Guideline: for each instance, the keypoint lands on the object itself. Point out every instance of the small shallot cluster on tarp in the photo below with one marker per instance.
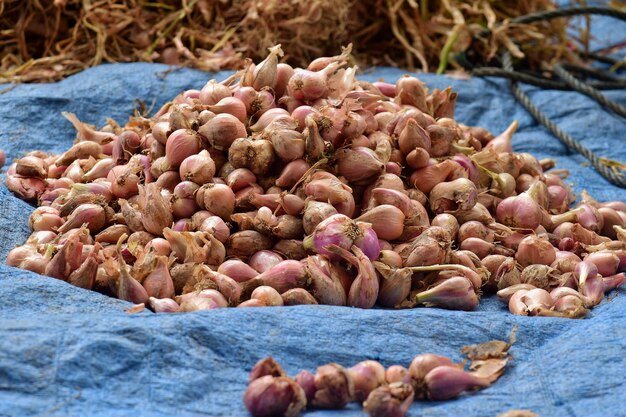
(383, 392)
(282, 186)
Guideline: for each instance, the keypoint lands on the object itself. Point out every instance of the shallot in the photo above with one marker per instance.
(298, 186)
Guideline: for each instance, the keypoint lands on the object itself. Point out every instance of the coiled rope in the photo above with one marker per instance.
(567, 81)
(599, 163)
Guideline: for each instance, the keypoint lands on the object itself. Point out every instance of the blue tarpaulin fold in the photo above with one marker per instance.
(65, 351)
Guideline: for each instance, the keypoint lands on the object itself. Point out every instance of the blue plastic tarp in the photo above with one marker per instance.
(65, 351)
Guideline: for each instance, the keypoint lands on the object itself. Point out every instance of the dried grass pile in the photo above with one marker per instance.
(47, 40)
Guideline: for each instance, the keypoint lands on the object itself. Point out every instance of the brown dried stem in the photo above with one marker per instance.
(47, 41)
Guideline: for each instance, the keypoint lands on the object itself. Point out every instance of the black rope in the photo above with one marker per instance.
(602, 58)
(563, 12)
(567, 82)
(603, 169)
(608, 81)
(588, 90)
(542, 81)
(597, 73)
(568, 12)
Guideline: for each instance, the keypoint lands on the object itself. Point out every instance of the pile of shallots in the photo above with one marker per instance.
(282, 186)
(383, 392)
